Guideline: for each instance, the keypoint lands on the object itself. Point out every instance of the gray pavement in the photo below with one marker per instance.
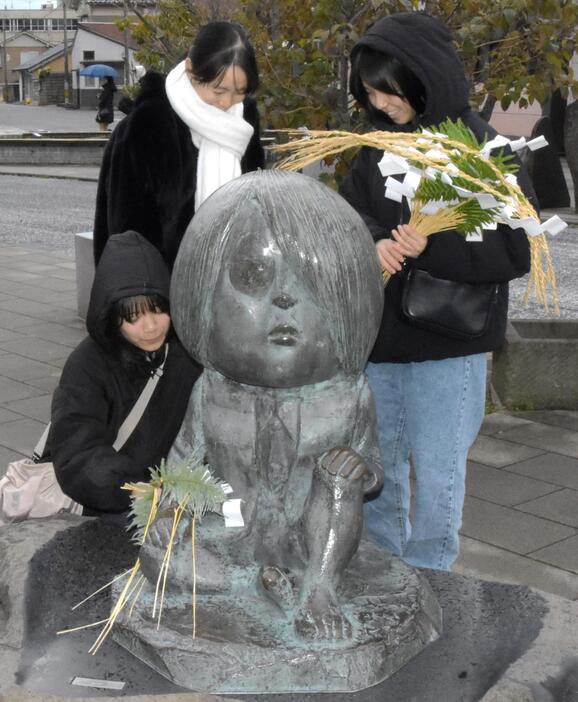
(520, 519)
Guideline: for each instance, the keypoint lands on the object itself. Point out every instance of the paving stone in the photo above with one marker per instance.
(501, 487)
(563, 554)
(47, 384)
(6, 456)
(21, 435)
(18, 276)
(498, 453)
(33, 407)
(498, 422)
(32, 266)
(32, 292)
(60, 333)
(8, 334)
(9, 320)
(7, 415)
(57, 284)
(481, 560)
(550, 467)
(30, 308)
(567, 419)
(19, 367)
(560, 506)
(38, 350)
(546, 437)
(15, 390)
(508, 528)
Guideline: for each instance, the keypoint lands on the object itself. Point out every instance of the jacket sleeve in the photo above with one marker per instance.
(355, 189)
(125, 198)
(87, 467)
(254, 156)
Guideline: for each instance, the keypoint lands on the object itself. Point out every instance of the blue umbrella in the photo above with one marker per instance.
(99, 70)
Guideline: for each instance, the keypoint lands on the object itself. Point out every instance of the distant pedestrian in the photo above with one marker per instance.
(105, 113)
(186, 135)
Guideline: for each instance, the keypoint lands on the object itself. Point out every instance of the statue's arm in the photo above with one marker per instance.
(365, 441)
(190, 438)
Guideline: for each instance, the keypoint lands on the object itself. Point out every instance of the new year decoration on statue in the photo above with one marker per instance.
(185, 489)
(451, 181)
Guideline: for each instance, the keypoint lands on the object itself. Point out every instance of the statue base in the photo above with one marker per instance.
(246, 644)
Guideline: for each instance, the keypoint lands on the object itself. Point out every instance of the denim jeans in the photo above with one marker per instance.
(433, 410)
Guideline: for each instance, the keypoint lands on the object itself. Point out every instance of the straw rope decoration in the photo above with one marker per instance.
(184, 489)
(451, 181)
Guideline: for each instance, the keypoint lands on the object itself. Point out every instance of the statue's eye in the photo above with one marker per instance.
(252, 275)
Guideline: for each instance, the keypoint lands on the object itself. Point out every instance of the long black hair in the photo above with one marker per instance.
(387, 74)
(218, 46)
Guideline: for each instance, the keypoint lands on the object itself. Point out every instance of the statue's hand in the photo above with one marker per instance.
(345, 463)
(160, 531)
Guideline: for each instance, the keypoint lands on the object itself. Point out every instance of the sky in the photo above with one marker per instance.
(22, 4)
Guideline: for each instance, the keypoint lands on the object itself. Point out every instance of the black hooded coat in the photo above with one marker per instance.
(148, 175)
(425, 46)
(102, 380)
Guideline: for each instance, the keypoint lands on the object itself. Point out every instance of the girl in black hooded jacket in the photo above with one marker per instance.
(129, 338)
(429, 388)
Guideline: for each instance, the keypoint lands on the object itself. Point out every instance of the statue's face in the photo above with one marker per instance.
(266, 327)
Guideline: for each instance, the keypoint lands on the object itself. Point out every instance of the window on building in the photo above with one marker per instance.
(71, 24)
(88, 55)
(90, 82)
(38, 25)
(23, 24)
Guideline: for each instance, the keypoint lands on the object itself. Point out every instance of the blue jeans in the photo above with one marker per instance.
(433, 410)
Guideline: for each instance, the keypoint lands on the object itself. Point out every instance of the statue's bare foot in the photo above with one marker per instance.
(320, 617)
(278, 586)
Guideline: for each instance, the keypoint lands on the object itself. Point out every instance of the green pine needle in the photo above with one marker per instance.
(189, 483)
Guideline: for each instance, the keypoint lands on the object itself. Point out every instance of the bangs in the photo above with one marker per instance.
(386, 74)
(128, 309)
(379, 73)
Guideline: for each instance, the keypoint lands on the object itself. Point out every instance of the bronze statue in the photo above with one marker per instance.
(278, 293)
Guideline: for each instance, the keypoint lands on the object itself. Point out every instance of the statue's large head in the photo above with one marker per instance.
(277, 283)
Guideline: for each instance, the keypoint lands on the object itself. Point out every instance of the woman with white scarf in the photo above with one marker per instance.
(186, 136)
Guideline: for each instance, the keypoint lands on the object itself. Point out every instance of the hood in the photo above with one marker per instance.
(130, 265)
(425, 45)
(152, 86)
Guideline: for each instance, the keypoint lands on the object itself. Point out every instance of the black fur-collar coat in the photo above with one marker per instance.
(149, 170)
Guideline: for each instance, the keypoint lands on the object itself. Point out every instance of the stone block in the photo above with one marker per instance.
(84, 270)
(536, 367)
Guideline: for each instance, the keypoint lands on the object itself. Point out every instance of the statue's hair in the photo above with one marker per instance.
(323, 240)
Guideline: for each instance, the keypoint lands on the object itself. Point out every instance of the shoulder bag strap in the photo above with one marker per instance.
(131, 421)
(134, 416)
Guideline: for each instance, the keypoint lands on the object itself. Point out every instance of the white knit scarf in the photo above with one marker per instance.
(221, 137)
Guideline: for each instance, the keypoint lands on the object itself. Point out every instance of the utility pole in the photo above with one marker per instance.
(5, 55)
(66, 74)
(126, 62)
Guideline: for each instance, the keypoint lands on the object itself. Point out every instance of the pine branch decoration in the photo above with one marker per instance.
(459, 184)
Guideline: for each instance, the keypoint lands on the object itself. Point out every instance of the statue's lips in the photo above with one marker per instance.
(283, 335)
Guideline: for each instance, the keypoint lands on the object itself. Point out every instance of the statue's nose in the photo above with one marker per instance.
(284, 301)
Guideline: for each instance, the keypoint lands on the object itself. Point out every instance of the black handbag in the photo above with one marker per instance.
(457, 310)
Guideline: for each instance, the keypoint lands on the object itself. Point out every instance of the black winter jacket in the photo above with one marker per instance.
(101, 382)
(148, 175)
(425, 46)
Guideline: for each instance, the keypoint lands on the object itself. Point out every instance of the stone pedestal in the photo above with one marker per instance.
(536, 367)
(500, 643)
(246, 644)
(84, 271)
